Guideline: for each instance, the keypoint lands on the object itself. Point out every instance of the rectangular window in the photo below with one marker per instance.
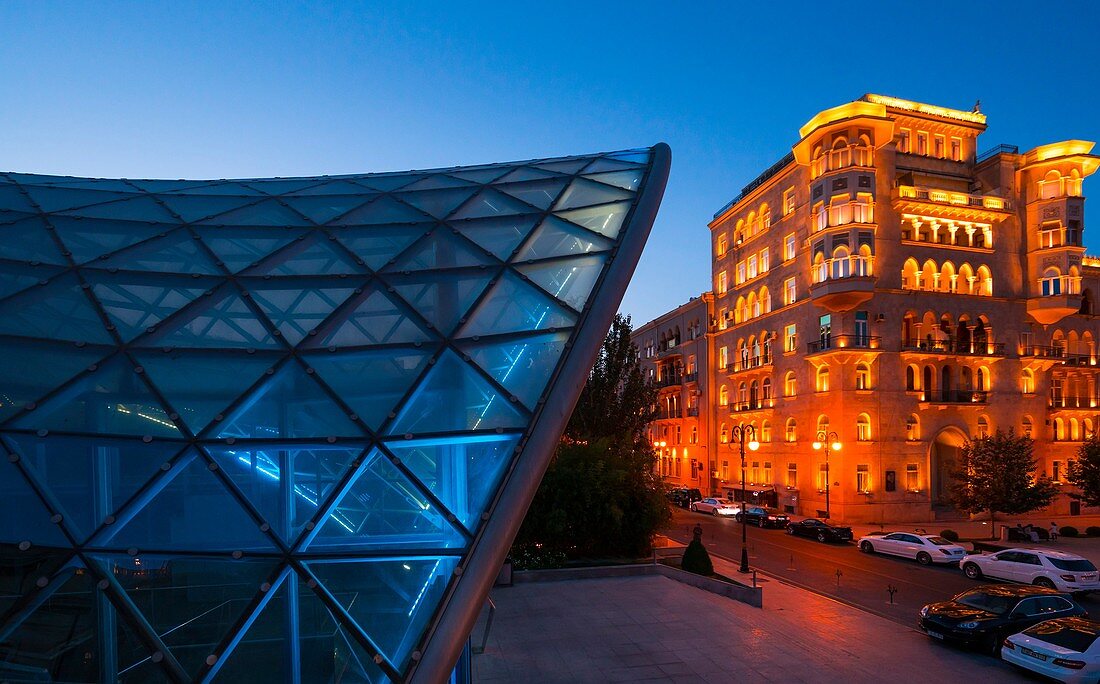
(723, 284)
(790, 249)
(767, 473)
(912, 477)
(754, 472)
(740, 272)
(725, 470)
(1056, 471)
(939, 147)
(721, 245)
(922, 143)
(903, 142)
(789, 338)
(723, 358)
(764, 260)
(863, 479)
(723, 318)
(677, 434)
(752, 267)
(863, 430)
(792, 475)
(821, 217)
(825, 331)
(956, 149)
(863, 337)
(789, 291)
(788, 201)
(822, 476)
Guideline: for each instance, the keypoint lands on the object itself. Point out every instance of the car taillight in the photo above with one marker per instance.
(1009, 645)
(1068, 578)
(1071, 664)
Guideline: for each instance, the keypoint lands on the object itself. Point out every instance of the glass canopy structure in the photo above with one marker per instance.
(286, 429)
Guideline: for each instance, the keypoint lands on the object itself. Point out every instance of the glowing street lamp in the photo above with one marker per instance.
(742, 433)
(829, 441)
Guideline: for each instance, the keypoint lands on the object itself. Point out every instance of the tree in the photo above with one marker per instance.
(1085, 472)
(997, 473)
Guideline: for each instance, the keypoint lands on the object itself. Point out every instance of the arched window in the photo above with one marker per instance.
(765, 299)
(911, 382)
(724, 434)
(1086, 428)
(929, 275)
(910, 278)
(765, 432)
(982, 380)
(765, 216)
(1073, 183)
(983, 427)
(965, 281)
(1059, 430)
(754, 305)
(738, 311)
(1052, 282)
(754, 394)
(823, 379)
(1051, 185)
(947, 277)
(694, 434)
(789, 384)
(912, 428)
(766, 391)
(1027, 381)
(723, 396)
(1074, 430)
(985, 282)
(823, 423)
(863, 428)
(817, 166)
(863, 376)
(790, 432)
(742, 395)
(1027, 425)
(842, 266)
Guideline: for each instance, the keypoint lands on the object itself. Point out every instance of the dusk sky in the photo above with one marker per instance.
(217, 89)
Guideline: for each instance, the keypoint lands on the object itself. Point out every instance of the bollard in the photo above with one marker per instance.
(892, 590)
(753, 579)
(838, 574)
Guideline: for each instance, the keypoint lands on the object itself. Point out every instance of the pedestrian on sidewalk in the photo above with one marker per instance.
(1053, 531)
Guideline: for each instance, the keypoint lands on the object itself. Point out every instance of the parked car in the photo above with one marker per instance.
(984, 616)
(1065, 649)
(762, 517)
(684, 497)
(926, 549)
(1043, 567)
(715, 507)
(819, 530)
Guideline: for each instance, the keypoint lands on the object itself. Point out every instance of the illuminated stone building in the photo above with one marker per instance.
(886, 282)
(674, 353)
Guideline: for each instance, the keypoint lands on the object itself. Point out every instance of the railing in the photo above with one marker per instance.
(948, 197)
(951, 346)
(1060, 285)
(757, 182)
(669, 414)
(843, 158)
(1065, 401)
(1043, 351)
(691, 377)
(673, 349)
(956, 396)
(833, 342)
(1078, 360)
(854, 266)
(739, 406)
(994, 151)
(693, 411)
(750, 362)
(669, 381)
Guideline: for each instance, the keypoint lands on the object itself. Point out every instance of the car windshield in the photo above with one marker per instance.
(1076, 635)
(991, 603)
(938, 541)
(1080, 565)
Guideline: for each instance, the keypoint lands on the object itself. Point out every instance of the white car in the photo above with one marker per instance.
(716, 507)
(1066, 649)
(926, 549)
(1043, 567)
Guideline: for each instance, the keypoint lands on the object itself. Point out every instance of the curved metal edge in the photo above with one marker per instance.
(447, 640)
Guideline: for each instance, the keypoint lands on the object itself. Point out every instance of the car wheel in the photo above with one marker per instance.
(760, 523)
(1044, 582)
(821, 536)
(693, 508)
(790, 531)
(993, 645)
(866, 547)
(972, 571)
(737, 517)
(714, 512)
(924, 559)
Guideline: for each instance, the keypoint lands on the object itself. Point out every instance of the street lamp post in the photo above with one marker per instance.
(829, 441)
(741, 433)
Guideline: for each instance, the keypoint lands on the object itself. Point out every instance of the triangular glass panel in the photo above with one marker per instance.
(176, 252)
(500, 235)
(143, 208)
(53, 198)
(436, 182)
(239, 247)
(136, 664)
(181, 186)
(323, 208)
(525, 173)
(452, 398)
(378, 245)
(567, 166)
(480, 175)
(263, 653)
(584, 193)
(608, 165)
(190, 623)
(391, 599)
(540, 194)
(31, 371)
(28, 240)
(437, 203)
(491, 202)
(14, 200)
(195, 381)
(16, 277)
(266, 213)
(310, 256)
(462, 471)
(382, 510)
(373, 319)
(514, 306)
(112, 399)
(336, 187)
(328, 651)
(207, 188)
(23, 571)
(384, 210)
(23, 516)
(90, 239)
(605, 219)
(290, 405)
(441, 249)
(522, 365)
(287, 484)
(187, 509)
(220, 320)
(386, 182)
(627, 180)
(89, 478)
(632, 156)
(298, 306)
(57, 310)
(281, 186)
(195, 207)
(136, 302)
(372, 383)
(443, 298)
(570, 280)
(555, 237)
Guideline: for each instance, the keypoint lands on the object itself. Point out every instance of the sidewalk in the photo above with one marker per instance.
(632, 629)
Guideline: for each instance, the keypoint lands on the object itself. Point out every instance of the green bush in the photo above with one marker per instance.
(1092, 531)
(696, 559)
(1069, 531)
(950, 535)
(536, 557)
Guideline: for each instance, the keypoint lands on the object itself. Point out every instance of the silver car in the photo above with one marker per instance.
(716, 507)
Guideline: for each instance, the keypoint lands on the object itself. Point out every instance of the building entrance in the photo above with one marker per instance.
(943, 460)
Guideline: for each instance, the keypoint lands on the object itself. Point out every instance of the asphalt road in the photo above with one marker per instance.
(839, 571)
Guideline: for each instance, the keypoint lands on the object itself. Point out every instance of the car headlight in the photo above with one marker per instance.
(972, 624)
(924, 611)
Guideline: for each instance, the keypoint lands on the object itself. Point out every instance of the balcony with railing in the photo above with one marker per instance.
(670, 350)
(842, 283)
(693, 411)
(746, 362)
(669, 380)
(952, 346)
(666, 413)
(1058, 296)
(952, 199)
(859, 156)
(955, 396)
(832, 343)
(843, 214)
(751, 405)
(1060, 401)
(691, 377)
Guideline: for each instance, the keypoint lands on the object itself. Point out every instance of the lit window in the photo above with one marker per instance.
(863, 428)
(788, 201)
(721, 245)
(723, 358)
(789, 247)
(939, 147)
(740, 272)
(789, 291)
(789, 384)
(983, 427)
(1028, 427)
(863, 479)
(723, 283)
(791, 432)
(922, 143)
(903, 142)
(912, 428)
(724, 434)
(912, 477)
(766, 432)
(752, 266)
(789, 338)
(823, 379)
(723, 318)
(792, 475)
(956, 149)
(767, 479)
(863, 377)
(823, 477)
(764, 260)
(725, 470)
(1056, 471)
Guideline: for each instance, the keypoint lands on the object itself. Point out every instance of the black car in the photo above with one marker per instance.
(684, 497)
(819, 530)
(762, 517)
(983, 617)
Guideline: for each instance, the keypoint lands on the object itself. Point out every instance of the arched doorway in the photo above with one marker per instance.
(944, 456)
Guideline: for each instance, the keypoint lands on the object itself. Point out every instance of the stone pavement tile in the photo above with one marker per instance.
(635, 674)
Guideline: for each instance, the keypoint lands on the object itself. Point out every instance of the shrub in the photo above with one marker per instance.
(696, 559)
(1069, 531)
(950, 535)
(1092, 531)
(536, 557)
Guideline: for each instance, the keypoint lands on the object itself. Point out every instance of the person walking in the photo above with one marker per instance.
(1053, 531)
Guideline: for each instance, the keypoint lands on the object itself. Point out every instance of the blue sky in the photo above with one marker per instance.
(224, 89)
